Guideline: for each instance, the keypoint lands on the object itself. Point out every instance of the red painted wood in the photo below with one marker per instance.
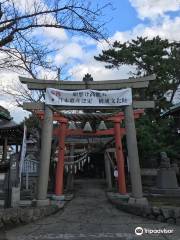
(79, 132)
(118, 132)
(120, 159)
(60, 164)
(118, 117)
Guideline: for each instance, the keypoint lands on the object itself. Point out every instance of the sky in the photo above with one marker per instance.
(126, 20)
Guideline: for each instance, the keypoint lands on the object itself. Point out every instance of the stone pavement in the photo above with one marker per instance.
(89, 216)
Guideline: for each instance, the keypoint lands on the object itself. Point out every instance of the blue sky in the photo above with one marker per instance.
(124, 16)
(129, 19)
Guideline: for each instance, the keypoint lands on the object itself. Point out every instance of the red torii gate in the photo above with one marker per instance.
(62, 132)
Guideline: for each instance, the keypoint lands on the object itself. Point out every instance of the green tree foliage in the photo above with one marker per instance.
(151, 56)
(155, 137)
(33, 123)
(155, 56)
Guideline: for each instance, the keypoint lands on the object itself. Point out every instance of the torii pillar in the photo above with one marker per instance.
(46, 141)
(59, 187)
(135, 174)
(120, 158)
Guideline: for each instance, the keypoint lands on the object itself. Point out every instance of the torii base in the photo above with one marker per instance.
(41, 203)
(139, 201)
(58, 197)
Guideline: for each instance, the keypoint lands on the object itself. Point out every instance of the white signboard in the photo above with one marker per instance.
(23, 152)
(89, 97)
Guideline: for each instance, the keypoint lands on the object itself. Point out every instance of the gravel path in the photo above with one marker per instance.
(90, 216)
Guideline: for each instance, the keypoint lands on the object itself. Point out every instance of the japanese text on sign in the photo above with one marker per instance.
(89, 97)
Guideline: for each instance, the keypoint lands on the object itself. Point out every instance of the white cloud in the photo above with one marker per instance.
(46, 74)
(167, 28)
(69, 51)
(83, 41)
(121, 36)
(29, 6)
(8, 82)
(17, 113)
(154, 8)
(10, 87)
(98, 71)
(32, 6)
(56, 34)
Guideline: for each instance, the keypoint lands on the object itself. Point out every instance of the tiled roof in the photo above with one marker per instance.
(172, 109)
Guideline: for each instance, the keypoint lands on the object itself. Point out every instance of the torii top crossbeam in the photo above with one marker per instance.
(37, 84)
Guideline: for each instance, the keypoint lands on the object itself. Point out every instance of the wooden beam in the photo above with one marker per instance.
(80, 150)
(80, 132)
(87, 139)
(114, 118)
(33, 106)
(38, 84)
(143, 104)
(30, 106)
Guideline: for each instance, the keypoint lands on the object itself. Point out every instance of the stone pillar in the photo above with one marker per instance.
(120, 158)
(15, 196)
(59, 188)
(108, 172)
(46, 141)
(70, 176)
(135, 174)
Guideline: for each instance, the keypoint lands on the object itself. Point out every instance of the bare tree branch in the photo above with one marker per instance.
(23, 51)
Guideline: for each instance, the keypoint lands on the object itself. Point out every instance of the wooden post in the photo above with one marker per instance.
(120, 158)
(60, 164)
(108, 171)
(70, 175)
